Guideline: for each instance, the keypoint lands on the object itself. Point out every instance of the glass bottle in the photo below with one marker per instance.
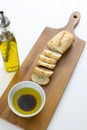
(8, 45)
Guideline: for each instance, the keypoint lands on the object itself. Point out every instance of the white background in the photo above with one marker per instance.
(28, 19)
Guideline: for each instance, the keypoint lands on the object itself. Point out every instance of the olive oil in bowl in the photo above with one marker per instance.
(27, 100)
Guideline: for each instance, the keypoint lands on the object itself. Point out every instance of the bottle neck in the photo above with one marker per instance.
(5, 29)
(5, 33)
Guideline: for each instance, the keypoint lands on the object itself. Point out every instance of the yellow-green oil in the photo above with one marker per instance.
(10, 54)
(25, 91)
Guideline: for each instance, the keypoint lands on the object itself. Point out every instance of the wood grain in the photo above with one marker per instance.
(55, 89)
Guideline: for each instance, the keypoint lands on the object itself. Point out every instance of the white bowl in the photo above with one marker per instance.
(20, 104)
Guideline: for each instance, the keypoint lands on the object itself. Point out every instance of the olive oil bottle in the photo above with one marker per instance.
(8, 45)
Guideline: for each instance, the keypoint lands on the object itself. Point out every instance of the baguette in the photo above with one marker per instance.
(61, 42)
(39, 79)
(49, 57)
(43, 71)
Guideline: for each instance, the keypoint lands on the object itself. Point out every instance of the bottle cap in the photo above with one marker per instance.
(4, 21)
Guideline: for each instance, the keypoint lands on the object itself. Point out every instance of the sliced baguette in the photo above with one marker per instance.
(52, 54)
(43, 71)
(39, 79)
(61, 42)
(47, 59)
(44, 64)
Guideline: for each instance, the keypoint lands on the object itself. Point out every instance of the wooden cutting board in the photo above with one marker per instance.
(55, 89)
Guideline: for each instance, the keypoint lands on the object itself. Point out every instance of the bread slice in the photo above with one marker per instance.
(61, 42)
(43, 71)
(47, 59)
(39, 79)
(52, 54)
(44, 64)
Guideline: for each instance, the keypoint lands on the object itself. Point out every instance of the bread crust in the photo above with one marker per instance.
(43, 71)
(47, 59)
(52, 54)
(44, 64)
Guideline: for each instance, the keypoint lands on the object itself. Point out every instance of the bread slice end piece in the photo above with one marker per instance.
(41, 80)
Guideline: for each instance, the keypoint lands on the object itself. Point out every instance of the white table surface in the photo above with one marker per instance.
(28, 19)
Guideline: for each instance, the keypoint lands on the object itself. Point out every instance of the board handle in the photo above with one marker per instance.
(73, 20)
